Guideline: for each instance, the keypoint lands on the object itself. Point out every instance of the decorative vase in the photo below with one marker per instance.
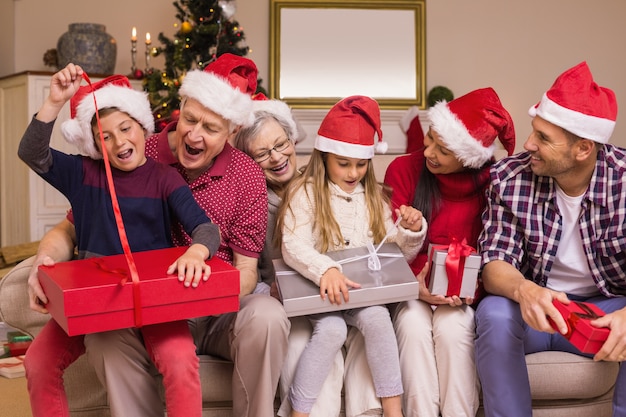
(88, 45)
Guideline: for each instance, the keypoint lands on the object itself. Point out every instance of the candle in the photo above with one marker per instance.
(148, 42)
(133, 36)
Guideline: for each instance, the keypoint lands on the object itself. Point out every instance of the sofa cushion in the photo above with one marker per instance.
(558, 375)
(14, 304)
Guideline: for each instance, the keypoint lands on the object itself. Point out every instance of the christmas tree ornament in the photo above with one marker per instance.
(185, 27)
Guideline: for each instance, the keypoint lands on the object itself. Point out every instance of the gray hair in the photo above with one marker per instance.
(246, 135)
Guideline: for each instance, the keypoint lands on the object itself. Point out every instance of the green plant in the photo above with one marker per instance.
(437, 94)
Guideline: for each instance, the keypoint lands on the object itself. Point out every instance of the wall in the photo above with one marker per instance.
(517, 47)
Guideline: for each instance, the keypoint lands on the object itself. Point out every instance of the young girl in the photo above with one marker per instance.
(150, 195)
(337, 204)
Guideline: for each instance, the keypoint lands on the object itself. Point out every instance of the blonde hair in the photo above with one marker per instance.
(324, 221)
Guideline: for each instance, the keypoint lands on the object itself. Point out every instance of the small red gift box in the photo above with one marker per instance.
(89, 296)
(580, 332)
(453, 270)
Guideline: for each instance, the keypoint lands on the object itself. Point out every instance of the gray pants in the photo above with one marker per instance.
(329, 334)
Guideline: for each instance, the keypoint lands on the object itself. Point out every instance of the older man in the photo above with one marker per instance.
(231, 187)
(554, 230)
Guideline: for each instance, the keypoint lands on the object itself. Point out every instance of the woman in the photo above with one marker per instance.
(446, 181)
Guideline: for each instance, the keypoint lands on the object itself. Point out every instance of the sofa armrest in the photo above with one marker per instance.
(14, 305)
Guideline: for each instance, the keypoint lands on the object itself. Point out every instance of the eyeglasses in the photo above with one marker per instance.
(265, 155)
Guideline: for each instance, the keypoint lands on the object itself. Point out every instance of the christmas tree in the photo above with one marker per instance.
(206, 30)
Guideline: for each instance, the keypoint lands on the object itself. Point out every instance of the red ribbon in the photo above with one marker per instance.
(118, 219)
(574, 317)
(455, 265)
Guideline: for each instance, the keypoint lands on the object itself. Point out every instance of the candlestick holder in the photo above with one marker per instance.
(147, 57)
(133, 56)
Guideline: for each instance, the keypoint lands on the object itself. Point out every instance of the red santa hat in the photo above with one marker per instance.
(349, 128)
(114, 91)
(579, 105)
(412, 127)
(225, 86)
(470, 124)
(280, 111)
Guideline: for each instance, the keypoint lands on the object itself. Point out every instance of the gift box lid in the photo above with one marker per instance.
(394, 282)
(93, 285)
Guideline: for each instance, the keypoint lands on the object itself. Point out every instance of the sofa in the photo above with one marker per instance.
(562, 384)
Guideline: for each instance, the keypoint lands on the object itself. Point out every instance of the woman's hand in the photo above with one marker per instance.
(426, 296)
(335, 284)
(411, 218)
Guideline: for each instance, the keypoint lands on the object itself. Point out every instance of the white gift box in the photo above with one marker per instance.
(438, 282)
(394, 282)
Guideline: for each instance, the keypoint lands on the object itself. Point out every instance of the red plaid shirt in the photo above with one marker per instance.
(522, 224)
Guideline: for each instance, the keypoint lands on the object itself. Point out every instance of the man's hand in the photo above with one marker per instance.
(614, 349)
(536, 306)
(36, 297)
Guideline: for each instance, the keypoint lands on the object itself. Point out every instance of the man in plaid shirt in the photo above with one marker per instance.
(554, 228)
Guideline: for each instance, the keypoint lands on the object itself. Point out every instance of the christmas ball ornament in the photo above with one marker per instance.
(138, 74)
(160, 125)
(175, 114)
(185, 27)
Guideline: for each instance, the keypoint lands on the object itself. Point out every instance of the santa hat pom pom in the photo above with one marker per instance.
(382, 147)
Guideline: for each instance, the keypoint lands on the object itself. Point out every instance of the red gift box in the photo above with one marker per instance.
(580, 332)
(96, 294)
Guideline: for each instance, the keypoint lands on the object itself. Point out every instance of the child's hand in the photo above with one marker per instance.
(336, 284)
(411, 218)
(191, 266)
(63, 85)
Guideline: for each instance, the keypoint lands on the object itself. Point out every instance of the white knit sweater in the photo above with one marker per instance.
(300, 250)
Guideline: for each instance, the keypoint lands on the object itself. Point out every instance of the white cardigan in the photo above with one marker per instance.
(299, 247)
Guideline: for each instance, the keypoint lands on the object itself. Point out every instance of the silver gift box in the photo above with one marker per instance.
(394, 282)
(438, 283)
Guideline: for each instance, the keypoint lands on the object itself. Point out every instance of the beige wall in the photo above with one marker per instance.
(517, 47)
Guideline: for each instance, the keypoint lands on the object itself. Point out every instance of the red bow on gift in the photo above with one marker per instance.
(574, 317)
(455, 265)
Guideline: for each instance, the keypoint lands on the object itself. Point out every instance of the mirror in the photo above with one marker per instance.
(322, 51)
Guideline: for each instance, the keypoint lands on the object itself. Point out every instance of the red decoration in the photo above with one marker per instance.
(138, 74)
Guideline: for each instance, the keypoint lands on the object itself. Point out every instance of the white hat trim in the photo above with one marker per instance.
(407, 118)
(282, 111)
(218, 95)
(77, 131)
(586, 126)
(471, 152)
(348, 150)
